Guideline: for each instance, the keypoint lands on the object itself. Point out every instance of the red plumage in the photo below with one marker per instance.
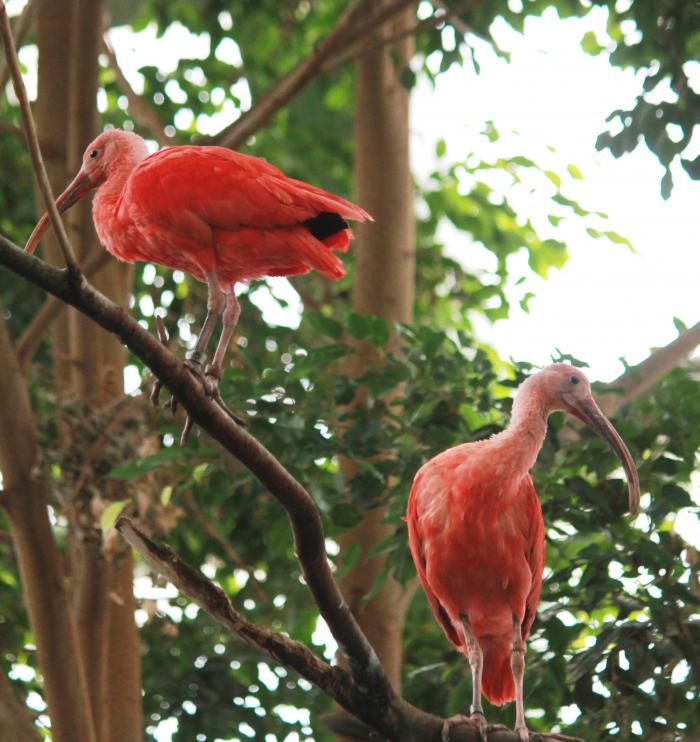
(476, 535)
(216, 214)
(478, 555)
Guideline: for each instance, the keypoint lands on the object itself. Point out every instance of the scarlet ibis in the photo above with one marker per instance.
(476, 535)
(221, 216)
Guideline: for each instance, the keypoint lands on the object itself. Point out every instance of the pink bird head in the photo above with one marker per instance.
(563, 387)
(111, 151)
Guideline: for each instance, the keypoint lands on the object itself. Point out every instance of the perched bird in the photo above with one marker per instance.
(476, 535)
(221, 216)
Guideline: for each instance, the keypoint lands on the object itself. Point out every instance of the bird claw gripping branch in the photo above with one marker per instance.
(194, 363)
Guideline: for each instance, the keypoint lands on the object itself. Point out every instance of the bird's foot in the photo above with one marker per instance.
(208, 377)
(523, 733)
(212, 376)
(162, 334)
(476, 719)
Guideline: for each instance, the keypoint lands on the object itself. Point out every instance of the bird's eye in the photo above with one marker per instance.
(574, 379)
(94, 153)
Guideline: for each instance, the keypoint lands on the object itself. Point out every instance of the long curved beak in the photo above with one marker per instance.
(588, 412)
(80, 186)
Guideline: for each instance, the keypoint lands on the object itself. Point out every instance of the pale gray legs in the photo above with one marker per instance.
(476, 663)
(216, 302)
(219, 304)
(517, 664)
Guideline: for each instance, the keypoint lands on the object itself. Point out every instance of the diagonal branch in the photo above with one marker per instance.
(365, 691)
(350, 27)
(638, 379)
(305, 519)
(335, 681)
(33, 141)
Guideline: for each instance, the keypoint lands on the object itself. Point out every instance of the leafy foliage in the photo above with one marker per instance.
(617, 635)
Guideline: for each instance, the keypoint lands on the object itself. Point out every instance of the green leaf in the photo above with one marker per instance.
(111, 513)
(407, 78)
(368, 327)
(574, 171)
(165, 494)
(324, 325)
(590, 44)
(141, 466)
(556, 179)
(345, 515)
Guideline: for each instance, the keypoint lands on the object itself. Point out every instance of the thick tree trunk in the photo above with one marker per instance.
(43, 582)
(89, 363)
(384, 286)
(16, 721)
(51, 111)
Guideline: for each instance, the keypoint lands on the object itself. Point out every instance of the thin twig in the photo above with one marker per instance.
(212, 599)
(33, 142)
(22, 25)
(356, 52)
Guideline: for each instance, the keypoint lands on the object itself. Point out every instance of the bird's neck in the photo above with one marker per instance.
(527, 429)
(110, 191)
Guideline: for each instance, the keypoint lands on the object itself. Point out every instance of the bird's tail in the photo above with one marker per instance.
(498, 684)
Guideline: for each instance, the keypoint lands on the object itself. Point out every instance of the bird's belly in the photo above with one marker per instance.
(479, 569)
(152, 243)
(247, 253)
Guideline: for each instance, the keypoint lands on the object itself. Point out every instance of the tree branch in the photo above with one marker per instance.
(306, 522)
(290, 84)
(365, 691)
(355, 52)
(15, 718)
(335, 681)
(20, 31)
(638, 379)
(33, 141)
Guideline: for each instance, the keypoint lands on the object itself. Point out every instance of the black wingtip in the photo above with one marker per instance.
(325, 225)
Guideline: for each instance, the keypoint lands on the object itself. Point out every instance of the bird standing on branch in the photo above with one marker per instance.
(476, 534)
(221, 216)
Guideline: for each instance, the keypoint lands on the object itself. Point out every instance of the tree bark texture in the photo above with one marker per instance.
(384, 286)
(43, 581)
(88, 363)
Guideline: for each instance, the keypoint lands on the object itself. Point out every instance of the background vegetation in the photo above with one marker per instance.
(352, 401)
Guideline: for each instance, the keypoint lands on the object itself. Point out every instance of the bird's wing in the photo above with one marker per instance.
(227, 190)
(536, 553)
(415, 541)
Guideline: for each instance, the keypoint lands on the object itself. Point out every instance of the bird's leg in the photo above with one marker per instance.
(229, 318)
(216, 301)
(517, 664)
(476, 716)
